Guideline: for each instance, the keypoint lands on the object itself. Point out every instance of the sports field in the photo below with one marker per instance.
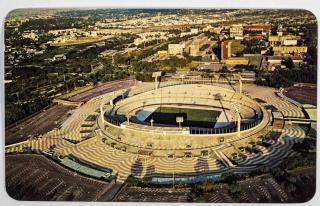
(192, 117)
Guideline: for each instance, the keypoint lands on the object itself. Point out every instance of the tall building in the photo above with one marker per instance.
(194, 47)
(236, 30)
(225, 49)
(191, 47)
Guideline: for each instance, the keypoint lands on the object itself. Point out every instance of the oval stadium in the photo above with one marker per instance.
(149, 122)
(186, 130)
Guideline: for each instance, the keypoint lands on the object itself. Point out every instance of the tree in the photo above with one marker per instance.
(277, 172)
(288, 63)
(229, 177)
(234, 189)
(290, 187)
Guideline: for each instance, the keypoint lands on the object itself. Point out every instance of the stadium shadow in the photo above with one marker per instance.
(231, 85)
(150, 170)
(137, 168)
(201, 165)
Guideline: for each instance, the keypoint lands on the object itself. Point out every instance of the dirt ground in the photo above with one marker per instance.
(40, 123)
(34, 177)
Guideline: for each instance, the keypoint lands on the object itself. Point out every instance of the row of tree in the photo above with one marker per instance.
(287, 77)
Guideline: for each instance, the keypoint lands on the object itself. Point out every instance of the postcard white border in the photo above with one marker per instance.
(9, 5)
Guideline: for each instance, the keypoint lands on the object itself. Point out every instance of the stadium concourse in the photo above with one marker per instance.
(117, 141)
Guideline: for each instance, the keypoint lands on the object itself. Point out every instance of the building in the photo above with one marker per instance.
(108, 53)
(228, 48)
(278, 59)
(258, 27)
(59, 57)
(162, 53)
(311, 111)
(100, 44)
(150, 36)
(130, 50)
(216, 30)
(225, 49)
(280, 40)
(30, 35)
(290, 49)
(207, 28)
(273, 61)
(213, 67)
(65, 32)
(194, 31)
(236, 30)
(175, 49)
(240, 38)
(257, 37)
(290, 42)
(193, 48)
(236, 60)
(278, 120)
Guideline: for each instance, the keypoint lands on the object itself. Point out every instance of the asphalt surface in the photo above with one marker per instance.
(101, 89)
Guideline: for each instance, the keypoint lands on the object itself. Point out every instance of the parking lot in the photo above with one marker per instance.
(40, 123)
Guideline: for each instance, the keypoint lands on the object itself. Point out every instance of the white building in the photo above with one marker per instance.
(59, 57)
(30, 35)
(290, 42)
(194, 31)
(175, 49)
(236, 30)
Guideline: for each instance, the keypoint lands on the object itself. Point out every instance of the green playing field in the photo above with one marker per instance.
(192, 117)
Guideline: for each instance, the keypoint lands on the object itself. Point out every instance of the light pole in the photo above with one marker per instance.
(236, 109)
(173, 164)
(240, 82)
(239, 124)
(155, 75)
(179, 120)
(17, 93)
(64, 79)
(103, 101)
(128, 119)
(173, 171)
(101, 114)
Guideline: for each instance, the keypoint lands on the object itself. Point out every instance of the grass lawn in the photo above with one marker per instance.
(192, 117)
